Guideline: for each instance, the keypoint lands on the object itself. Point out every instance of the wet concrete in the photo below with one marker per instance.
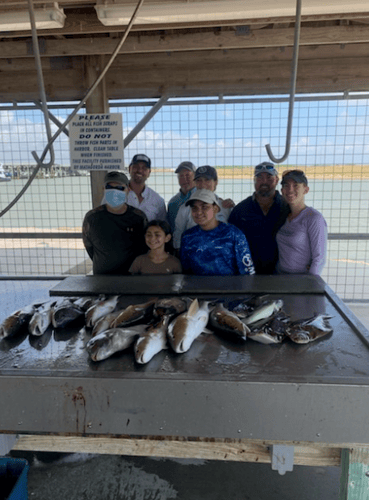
(109, 477)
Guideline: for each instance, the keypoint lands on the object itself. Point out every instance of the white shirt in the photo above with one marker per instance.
(185, 221)
(153, 205)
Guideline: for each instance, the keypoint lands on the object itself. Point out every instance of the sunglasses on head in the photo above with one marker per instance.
(268, 166)
(120, 188)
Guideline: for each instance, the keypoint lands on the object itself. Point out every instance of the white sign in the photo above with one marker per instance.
(96, 142)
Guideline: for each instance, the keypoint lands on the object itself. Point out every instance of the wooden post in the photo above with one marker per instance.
(97, 103)
(355, 474)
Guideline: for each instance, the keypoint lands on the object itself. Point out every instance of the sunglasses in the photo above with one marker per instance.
(120, 188)
(268, 166)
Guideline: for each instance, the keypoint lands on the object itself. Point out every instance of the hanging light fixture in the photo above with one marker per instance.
(47, 17)
(162, 12)
(111, 14)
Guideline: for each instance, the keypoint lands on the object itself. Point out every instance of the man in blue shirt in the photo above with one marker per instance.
(260, 216)
(186, 175)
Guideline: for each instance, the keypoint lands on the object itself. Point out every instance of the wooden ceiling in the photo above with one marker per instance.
(250, 56)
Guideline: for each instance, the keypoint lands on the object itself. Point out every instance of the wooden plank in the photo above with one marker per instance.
(236, 72)
(190, 41)
(85, 21)
(215, 449)
(355, 474)
(97, 103)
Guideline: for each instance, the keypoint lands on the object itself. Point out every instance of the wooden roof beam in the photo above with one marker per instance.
(189, 42)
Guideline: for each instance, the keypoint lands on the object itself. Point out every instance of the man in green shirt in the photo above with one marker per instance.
(113, 233)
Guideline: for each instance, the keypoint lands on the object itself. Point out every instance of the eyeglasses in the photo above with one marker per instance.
(120, 188)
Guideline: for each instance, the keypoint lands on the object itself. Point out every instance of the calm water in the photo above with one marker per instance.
(61, 203)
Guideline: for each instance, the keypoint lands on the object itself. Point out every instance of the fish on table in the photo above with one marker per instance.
(186, 327)
(17, 321)
(85, 302)
(107, 343)
(245, 307)
(227, 322)
(65, 312)
(41, 319)
(152, 341)
(133, 314)
(307, 330)
(99, 309)
(264, 311)
(171, 306)
(270, 330)
(104, 323)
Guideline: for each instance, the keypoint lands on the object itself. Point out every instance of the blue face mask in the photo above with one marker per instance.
(114, 197)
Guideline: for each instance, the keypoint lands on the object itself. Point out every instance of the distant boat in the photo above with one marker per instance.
(4, 176)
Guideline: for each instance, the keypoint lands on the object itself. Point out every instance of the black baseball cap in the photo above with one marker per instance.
(206, 171)
(116, 176)
(141, 157)
(296, 175)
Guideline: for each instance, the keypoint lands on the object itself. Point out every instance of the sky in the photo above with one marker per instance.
(329, 132)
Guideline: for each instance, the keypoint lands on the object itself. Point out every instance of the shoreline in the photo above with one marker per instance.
(337, 172)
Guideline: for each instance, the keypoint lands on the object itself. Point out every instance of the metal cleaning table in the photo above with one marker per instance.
(220, 400)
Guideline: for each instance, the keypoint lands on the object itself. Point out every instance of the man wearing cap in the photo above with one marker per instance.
(140, 195)
(185, 174)
(212, 247)
(260, 216)
(206, 177)
(113, 233)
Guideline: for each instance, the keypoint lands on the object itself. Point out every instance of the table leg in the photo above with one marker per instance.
(355, 474)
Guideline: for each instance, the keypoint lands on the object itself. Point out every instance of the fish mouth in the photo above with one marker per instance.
(141, 360)
(182, 347)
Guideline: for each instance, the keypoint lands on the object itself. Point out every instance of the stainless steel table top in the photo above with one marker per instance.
(219, 388)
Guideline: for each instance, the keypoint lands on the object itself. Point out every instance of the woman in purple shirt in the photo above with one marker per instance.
(302, 240)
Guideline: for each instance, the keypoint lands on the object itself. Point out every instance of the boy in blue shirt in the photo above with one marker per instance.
(213, 247)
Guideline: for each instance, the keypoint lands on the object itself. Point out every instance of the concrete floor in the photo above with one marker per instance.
(54, 476)
(110, 477)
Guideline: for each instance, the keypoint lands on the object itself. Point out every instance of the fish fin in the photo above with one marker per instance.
(207, 330)
(194, 307)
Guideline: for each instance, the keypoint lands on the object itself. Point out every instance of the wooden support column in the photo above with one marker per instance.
(355, 474)
(97, 103)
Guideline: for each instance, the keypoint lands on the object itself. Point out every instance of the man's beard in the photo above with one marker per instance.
(265, 193)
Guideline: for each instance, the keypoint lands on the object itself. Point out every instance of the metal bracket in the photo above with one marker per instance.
(243, 31)
(282, 458)
(7, 442)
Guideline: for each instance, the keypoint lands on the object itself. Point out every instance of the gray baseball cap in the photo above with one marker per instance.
(204, 195)
(185, 165)
(267, 167)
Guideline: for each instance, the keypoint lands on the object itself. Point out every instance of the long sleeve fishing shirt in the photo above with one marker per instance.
(302, 243)
(221, 251)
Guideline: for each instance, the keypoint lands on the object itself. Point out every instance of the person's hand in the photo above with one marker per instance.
(228, 203)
